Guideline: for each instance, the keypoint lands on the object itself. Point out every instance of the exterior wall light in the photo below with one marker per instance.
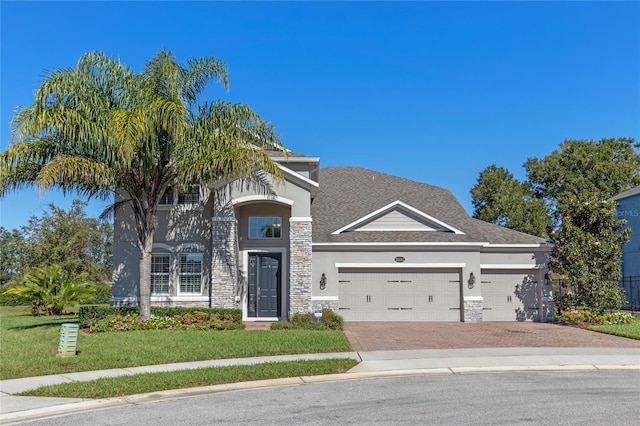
(472, 280)
(323, 281)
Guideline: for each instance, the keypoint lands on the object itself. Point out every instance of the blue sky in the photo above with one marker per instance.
(430, 91)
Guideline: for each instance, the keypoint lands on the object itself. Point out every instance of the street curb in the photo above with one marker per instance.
(98, 404)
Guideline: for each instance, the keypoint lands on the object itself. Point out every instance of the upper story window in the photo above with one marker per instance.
(265, 227)
(171, 197)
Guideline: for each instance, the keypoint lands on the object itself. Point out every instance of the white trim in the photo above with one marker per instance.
(180, 248)
(300, 219)
(182, 298)
(297, 159)
(298, 176)
(541, 245)
(162, 246)
(396, 230)
(473, 298)
(509, 266)
(374, 244)
(284, 277)
(434, 243)
(161, 298)
(252, 198)
(327, 298)
(178, 274)
(401, 265)
(261, 319)
(390, 206)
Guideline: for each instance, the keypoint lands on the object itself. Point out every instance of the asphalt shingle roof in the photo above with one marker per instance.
(346, 194)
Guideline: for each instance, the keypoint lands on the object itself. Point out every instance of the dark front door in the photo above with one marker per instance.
(264, 284)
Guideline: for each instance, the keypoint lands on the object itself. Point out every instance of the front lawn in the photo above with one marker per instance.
(28, 345)
(631, 330)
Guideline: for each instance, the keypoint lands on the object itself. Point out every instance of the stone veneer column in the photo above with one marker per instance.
(473, 308)
(224, 264)
(300, 265)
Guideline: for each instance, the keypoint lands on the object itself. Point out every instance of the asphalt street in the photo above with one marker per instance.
(595, 397)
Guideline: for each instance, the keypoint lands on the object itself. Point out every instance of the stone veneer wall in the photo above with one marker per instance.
(473, 309)
(224, 262)
(319, 305)
(300, 265)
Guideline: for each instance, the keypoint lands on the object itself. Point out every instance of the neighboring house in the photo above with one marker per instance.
(371, 246)
(629, 209)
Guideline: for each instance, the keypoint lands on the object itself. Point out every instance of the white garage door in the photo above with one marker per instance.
(509, 295)
(399, 294)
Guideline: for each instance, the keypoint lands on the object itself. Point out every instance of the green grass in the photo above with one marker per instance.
(28, 345)
(154, 382)
(631, 330)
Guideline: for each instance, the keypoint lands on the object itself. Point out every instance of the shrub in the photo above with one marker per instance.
(332, 320)
(574, 316)
(50, 289)
(8, 299)
(90, 315)
(196, 321)
(101, 296)
(307, 321)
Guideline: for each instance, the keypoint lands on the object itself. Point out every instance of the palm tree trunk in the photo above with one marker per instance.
(145, 277)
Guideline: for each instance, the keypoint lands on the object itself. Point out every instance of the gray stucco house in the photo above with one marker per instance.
(628, 208)
(371, 246)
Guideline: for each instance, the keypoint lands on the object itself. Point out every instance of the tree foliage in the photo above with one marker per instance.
(587, 250)
(610, 166)
(500, 198)
(101, 129)
(51, 289)
(68, 238)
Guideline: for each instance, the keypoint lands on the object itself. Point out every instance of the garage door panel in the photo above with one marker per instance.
(509, 295)
(403, 295)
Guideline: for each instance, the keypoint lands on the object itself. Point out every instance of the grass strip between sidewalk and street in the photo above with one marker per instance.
(155, 382)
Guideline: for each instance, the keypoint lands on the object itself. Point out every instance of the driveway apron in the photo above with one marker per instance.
(391, 336)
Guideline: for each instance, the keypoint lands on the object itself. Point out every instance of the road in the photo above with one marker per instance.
(609, 397)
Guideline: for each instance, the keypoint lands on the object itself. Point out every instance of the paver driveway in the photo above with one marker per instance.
(388, 336)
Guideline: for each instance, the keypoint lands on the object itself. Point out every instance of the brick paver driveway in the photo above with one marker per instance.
(387, 336)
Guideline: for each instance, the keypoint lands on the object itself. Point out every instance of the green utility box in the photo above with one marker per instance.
(68, 340)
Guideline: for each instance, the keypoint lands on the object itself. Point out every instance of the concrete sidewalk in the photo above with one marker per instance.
(373, 364)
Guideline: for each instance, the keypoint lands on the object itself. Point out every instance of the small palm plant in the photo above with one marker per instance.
(50, 289)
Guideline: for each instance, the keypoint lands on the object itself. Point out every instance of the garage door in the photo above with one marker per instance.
(509, 295)
(399, 295)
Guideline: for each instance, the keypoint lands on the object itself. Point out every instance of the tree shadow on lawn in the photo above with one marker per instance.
(53, 322)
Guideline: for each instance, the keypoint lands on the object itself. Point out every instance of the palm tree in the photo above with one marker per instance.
(103, 130)
(50, 289)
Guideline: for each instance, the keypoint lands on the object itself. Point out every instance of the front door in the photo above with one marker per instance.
(264, 284)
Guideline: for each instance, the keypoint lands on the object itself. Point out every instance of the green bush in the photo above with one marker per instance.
(102, 295)
(332, 320)
(90, 315)
(196, 321)
(307, 321)
(574, 316)
(7, 299)
(50, 289)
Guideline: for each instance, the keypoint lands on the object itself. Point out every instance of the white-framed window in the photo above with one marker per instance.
(160, 273)
(188, 197)
(261, 228)
(190, 273)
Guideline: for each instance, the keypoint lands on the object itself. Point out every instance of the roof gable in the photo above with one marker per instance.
(397, 216)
